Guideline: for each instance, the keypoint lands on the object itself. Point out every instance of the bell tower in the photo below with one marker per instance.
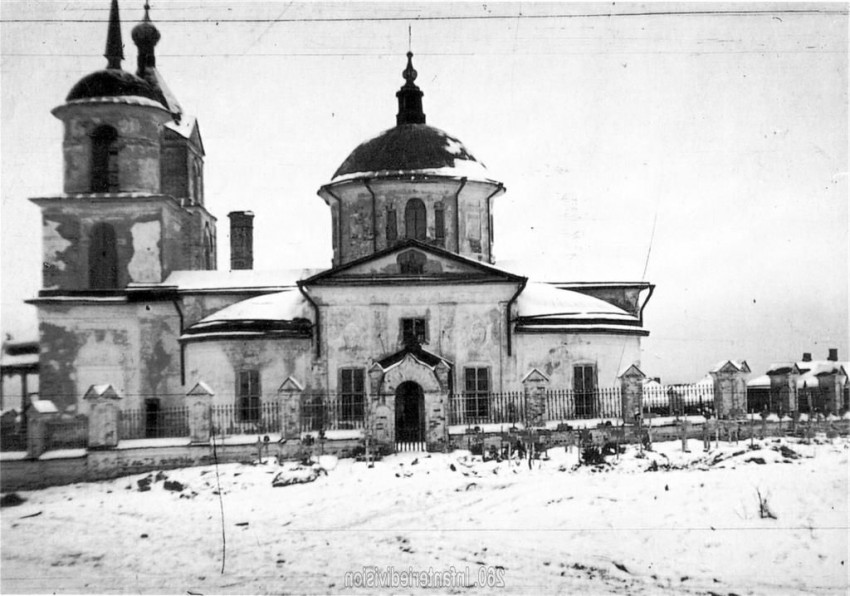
(132, 203)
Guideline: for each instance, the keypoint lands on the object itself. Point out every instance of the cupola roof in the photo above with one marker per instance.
(113, 82)
(412, 147)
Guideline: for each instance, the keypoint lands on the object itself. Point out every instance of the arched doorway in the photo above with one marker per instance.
(409, 413)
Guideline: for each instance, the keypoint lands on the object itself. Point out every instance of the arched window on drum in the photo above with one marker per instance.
(415, 221)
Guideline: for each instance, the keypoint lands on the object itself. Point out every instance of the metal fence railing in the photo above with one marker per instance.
(332, 411)
(153, 423)
(238, 420)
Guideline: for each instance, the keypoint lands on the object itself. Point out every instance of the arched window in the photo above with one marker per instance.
(103, 258)
(104, 159)
(414, 219)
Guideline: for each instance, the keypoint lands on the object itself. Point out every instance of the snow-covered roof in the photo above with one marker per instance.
(410, 149)
(543, 300)
(16, 355)
(238, 279)
(759, 382)
(740, 365)
(285, 314)
(185, 127)
(280, 306)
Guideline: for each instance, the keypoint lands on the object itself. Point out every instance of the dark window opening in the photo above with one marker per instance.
(476, 392)
(104, 160)
(392, 227)
(584, 388)
(198, 173)
(208, 249)
(439, 224)
(248, 395)
(411, 263)
(103, 258)
(414, 331)
(415, 222)
(352, 395)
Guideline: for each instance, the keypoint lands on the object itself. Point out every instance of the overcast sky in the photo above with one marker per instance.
(704, 151)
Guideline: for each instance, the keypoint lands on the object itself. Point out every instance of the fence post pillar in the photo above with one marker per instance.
(289, 397)
(199, 403)
(535, 385)
(631, 393)
(730, 388)
(103, 416)
(40, 412)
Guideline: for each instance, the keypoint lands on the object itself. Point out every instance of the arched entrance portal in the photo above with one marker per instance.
(409, 413)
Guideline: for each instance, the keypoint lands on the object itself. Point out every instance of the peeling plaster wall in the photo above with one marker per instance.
(138, 129)
(217, 362)
(145, 264)
(354, 220)
(554, 354)
(133, 347)
(154, 236)
(363, 323)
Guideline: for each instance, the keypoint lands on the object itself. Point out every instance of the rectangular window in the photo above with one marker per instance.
(476, 384)
(248, 395)
(352, 395)
(584, 389)
(392, 227)
(439, 225)
(414, 331)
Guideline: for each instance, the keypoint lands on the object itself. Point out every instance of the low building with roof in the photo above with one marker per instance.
(413, 310)
(804, 385)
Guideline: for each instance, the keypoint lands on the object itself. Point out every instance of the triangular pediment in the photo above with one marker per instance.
(632, 371)
(201, 388)
(412, 261)
(105, 391)
(534, 376)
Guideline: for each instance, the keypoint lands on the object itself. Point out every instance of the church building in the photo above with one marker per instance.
(412, 328)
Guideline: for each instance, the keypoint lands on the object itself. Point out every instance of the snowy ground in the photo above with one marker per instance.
(690, 527)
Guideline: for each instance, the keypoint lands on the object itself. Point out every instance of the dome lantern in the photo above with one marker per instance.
(409, 97)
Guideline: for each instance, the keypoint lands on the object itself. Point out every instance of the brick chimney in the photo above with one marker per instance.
(241, 239)
(833, 355)
(807, 356)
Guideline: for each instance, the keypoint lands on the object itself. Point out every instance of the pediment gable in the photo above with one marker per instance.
(412, 261)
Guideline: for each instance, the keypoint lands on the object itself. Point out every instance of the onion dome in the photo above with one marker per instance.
(146, 36)
(412, 146)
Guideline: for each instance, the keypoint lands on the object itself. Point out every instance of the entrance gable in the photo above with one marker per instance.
(412, 261)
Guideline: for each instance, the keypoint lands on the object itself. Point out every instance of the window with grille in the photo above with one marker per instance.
(439, 224)
(414, 331)
(104, 160)
(352, 395)
(584, 388)
(103, 258)
(476, 393)
(415, 222)
(392, 227)
(248, 395)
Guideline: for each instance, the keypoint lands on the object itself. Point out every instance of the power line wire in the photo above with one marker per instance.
(488, 17)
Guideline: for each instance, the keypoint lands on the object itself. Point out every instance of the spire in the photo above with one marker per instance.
(146, 36)
(409, 97)
(114, 47)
